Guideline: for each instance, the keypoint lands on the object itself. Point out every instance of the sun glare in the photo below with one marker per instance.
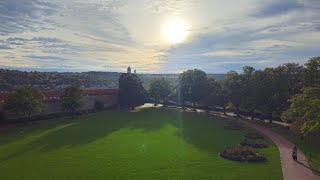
(176, 31)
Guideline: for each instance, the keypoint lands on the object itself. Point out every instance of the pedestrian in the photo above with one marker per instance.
(294, 152)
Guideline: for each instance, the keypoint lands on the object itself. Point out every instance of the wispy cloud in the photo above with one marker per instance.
(109, 35)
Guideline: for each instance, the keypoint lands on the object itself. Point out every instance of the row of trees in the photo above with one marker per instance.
(290, 91)
(28, 100)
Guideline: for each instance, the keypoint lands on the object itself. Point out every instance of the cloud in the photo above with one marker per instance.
(278, 8)
(45, 57)
(3, 46)
(18, 16)
(109, 35)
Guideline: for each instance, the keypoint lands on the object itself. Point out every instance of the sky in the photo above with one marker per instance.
(109, 35)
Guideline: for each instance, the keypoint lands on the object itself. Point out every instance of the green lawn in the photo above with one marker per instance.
(149, 144)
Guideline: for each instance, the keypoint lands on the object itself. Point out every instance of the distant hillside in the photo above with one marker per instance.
(11, 79)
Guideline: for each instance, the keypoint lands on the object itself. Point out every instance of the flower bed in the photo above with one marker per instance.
(243, 154)
(256, 143)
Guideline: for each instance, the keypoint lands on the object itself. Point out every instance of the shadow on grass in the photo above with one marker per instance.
(99, 126)
(207, 133)
(197, 129)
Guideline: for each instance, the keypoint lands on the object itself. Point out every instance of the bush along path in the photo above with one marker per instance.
(292, 170)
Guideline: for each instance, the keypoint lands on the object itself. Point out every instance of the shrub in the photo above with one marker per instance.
(256, 143)
(243, 154)
(3, 116)
(98, 105)
(254, 136)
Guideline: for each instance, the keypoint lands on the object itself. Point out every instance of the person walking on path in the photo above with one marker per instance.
(294, 153)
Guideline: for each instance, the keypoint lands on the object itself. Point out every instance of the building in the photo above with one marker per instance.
(129, 70)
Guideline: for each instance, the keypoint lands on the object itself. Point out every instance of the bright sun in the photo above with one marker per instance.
(176, 31)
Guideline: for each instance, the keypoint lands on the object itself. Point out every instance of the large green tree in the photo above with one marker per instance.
(72, 99)
(25, 101)
(132, 92)
(249, 93)
(311, 74)
(234, 88)
(215, 95)
(160, 89)
(192, 86)
(305, 108)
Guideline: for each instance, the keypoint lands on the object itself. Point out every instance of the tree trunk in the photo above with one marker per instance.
(194, 106)
(224, 110)
(252, 114)
(164, 103)
(270, 118)
(73, 113)
(237, 111)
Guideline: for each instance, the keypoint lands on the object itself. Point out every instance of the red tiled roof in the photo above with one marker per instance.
(100, 91)
(4, 96)
(57, 94)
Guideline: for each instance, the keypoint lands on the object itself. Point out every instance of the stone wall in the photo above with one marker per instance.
(109, 100)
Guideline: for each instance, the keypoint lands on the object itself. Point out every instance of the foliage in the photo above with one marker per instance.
(243, 154)
(25, 101)
(72, 99)
(192, 86)
(255, 143)
(132, 93)
(305, 107)
(160, 89)
(215, 95)
(233, 83)
(3, 116)
(311, 74)
(98, 105)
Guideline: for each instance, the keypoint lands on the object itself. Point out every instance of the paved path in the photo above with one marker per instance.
(292, 170)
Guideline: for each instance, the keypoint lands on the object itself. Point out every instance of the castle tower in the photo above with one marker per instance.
(129, 70)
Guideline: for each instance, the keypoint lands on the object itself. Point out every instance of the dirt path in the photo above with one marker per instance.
(292, 170)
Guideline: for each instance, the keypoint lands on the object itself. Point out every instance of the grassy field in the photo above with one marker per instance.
(149, 144)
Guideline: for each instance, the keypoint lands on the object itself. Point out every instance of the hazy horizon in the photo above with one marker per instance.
(157, 36)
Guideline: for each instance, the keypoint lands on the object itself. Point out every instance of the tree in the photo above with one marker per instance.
(305, 108)
(215, 95)
(249, 97)
(287, 82)
(72, 99)
(311, 74)
(132, 93)
(192, 86)
(160, 89)
(233, 83)
(26, 101)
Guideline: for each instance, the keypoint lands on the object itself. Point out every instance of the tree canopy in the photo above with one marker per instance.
(160, 89)
(305, 108)
(25, 101)
(72, 99)
(192, 86)
(132, 93)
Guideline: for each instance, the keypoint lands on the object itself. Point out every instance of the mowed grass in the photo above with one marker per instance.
(149, 144)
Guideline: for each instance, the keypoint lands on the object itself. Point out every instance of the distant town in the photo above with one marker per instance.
(45, 81)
